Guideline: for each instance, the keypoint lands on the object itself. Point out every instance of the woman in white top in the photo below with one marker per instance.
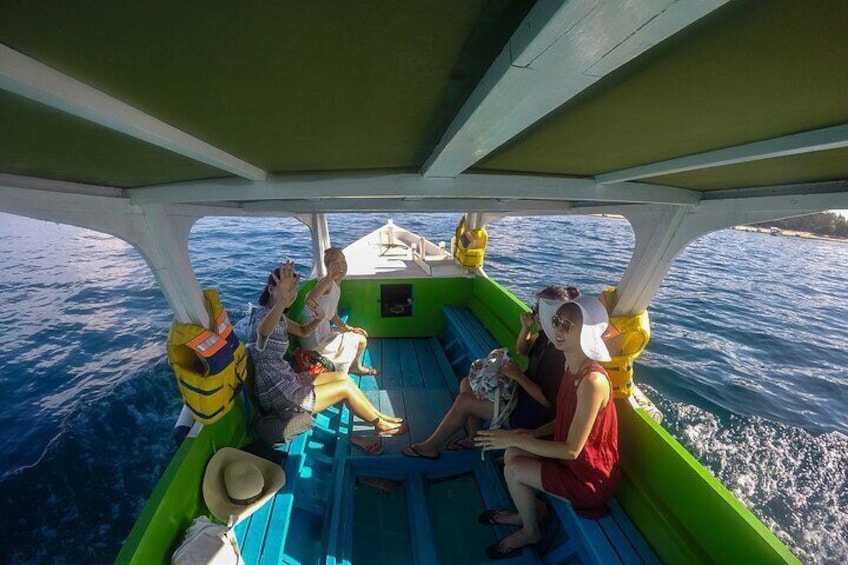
(342, 344)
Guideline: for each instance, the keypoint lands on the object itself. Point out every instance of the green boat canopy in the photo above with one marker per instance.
(156, 93)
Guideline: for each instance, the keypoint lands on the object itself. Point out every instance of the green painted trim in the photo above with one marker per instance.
(362, 296)
(177, 498)
(684, 512)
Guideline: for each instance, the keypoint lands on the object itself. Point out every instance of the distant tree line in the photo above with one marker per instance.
(823, 223)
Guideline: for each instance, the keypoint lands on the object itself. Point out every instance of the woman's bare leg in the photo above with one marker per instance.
(337, 376)
(465, 405)
(472, 424)
(523, 474)
(357, 367)
(324, 378)
(344, 390)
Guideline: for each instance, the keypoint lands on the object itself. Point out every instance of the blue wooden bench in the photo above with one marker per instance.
(611, 539)
(465, 339)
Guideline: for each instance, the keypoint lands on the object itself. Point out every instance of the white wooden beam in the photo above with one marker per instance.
(403, 205)
(560, 50)
(807, 142)
(375, 186)
(27, 77)
(52, 185)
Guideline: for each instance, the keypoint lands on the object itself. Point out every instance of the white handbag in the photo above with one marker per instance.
(207, 543)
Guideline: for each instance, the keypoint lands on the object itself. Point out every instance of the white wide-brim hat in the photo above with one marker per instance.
(248, 476)
(595, 322)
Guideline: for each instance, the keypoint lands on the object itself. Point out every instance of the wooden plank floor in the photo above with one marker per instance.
(415, 381)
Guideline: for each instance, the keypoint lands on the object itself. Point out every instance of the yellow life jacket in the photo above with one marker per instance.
(470, 245)
(632, 333)
(210, 365)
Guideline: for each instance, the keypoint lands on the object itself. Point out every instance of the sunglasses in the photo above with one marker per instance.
(560, 323)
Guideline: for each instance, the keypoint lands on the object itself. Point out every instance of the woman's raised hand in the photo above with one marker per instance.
(285, 288)
(288, 278)
(527, 320)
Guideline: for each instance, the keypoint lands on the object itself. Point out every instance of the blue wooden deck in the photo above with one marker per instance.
(342, 506)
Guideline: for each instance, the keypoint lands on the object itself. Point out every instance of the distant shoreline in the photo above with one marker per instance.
(791, 233)
(767, 231)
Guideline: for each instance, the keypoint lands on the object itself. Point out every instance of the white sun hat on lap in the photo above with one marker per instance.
(237, 483)
(595, 322)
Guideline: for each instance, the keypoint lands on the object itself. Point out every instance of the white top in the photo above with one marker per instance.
(322, 336)
(338, 347)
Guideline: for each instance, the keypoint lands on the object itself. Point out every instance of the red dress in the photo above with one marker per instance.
(590, 480)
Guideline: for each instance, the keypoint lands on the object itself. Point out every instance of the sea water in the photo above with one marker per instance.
(747, 362)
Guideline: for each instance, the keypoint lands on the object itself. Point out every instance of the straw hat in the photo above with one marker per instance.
(237, 483)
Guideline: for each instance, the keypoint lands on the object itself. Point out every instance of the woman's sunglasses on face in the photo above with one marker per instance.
(560, 323)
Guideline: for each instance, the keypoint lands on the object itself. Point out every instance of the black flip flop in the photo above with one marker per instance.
(457, 445)
(487, 518)
(419, 455)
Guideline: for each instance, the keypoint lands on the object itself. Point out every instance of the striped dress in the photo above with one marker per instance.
(279, 388)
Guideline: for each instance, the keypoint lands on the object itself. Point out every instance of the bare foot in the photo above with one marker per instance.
(388, 428)
(513, 543)
(361, 370)
(392, 419)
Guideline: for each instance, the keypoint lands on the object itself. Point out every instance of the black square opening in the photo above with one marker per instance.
(395, 300)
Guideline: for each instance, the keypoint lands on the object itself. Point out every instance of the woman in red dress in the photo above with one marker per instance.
(581, 463)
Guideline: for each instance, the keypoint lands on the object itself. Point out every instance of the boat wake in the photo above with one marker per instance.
(793, 481)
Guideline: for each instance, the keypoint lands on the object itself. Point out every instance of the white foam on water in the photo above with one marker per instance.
(794, 482)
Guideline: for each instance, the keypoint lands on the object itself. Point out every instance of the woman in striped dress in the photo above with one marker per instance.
(282, 390)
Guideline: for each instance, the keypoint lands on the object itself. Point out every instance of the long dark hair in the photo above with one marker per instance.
(266, 294)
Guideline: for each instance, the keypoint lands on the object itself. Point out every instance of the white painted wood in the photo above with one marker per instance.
(388, 186)
(808, 142)
(27, 77)
(164, 244)
(320, 244)
(51, 185)
(560, 50)
(391, 251)
(403, 205)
